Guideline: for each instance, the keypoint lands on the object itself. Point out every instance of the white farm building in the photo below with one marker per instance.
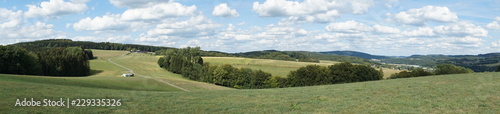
(128, 75)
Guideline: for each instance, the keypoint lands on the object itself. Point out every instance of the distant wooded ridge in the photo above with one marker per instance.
(478, 63)
(301, 56)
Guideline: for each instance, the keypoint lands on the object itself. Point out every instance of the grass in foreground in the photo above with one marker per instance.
(464, 93)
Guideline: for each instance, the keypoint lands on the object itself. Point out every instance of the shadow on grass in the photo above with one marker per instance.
(94, 72)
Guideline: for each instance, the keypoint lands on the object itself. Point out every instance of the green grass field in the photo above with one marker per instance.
(462, 93)
(275, 67)
(146, 64)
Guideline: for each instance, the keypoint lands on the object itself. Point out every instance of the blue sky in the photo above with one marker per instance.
(382, 27)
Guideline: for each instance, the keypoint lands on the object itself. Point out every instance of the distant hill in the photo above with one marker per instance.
(266, 54)
(88, 45)
(331, 57)
(302, 56)
(479, 63)
(356, 54)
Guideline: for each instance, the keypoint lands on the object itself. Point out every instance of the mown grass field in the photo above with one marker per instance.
(147, 65)
(467, 93)
(275, 67)
(462, 93)
(106, 75)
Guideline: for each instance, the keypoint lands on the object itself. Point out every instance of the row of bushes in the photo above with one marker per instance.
(88, 45)
(441, 69)
(188, 62)
(333, 74)
(70, 61)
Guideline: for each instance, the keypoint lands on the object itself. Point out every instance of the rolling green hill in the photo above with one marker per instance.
(275, 67)
(468, 93)
(463, 93)
(356, 54)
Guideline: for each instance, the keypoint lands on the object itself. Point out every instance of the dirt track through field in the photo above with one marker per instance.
(132, 71)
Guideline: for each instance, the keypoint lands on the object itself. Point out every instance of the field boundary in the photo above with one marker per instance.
(132, 71)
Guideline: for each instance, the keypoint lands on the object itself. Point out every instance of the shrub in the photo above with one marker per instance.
(415, 73)
(277, 82)
(309, 75)
(338, 73)
(451, 69)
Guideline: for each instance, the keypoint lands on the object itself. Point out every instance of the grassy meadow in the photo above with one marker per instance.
(275, 67)
(466, 93)
(460, 93)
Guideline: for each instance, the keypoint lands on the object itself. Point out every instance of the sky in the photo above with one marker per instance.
(380, 27)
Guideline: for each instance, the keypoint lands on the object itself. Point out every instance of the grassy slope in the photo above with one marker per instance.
(472, 93)
(466, 93)
(106, 75)
(146, 64)
(275, 67)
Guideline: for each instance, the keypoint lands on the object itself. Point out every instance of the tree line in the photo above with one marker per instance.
(59, 61)
(267, 54)
(278, 55)
(441, 69)
(333, 74)
(478, 63)
(88, 45)
(189, 63)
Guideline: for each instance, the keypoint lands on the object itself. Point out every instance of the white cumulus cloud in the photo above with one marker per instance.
(385, 29)
(348, 27)
(224, 11)
(496, 44)
(159, 12)
(30, 32)
(14, 29)
(136, 3)
(106, 22)
(495, 24)
(422, 15)
(54, 8)
(9, 19)
(195, 26)
(461, 29)
(420, 32)
(311, 10)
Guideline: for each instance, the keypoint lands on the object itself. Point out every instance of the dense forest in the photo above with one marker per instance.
(88, 45)
(333, 74)
(189, 63)
(56, 61)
